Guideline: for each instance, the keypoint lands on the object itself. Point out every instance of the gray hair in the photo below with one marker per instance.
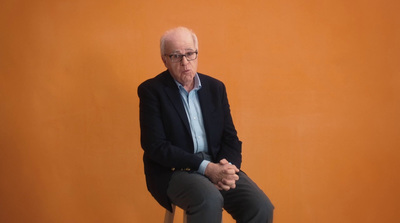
(165, 37)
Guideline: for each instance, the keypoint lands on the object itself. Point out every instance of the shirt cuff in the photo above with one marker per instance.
(203, 166)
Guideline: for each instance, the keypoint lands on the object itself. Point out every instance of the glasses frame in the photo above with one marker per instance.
(181, 56)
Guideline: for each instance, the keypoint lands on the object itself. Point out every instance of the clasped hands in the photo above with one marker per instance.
(222, 174)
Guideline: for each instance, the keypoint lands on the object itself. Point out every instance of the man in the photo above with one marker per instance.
(192, 154)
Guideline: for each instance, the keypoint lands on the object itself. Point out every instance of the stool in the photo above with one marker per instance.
(169, 217)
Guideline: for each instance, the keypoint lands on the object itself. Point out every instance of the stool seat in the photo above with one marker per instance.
(169, 216)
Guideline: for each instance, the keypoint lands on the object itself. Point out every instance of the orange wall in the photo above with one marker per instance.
(314, 88)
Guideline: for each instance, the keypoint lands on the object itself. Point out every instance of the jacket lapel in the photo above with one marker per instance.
(173, 94)
(207, 108)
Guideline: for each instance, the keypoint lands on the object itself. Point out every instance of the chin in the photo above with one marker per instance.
(187, 78)
(187, 75)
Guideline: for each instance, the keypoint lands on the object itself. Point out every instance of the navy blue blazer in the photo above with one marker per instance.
(165, 133)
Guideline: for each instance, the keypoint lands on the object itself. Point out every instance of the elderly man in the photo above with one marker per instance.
(192, 154)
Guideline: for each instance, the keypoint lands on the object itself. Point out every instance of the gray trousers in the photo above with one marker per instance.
(203, 202)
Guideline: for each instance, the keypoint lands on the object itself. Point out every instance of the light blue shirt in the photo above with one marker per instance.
(193, 111)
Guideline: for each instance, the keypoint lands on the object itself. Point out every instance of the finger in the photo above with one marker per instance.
(229, 171)
(232, 177)
(231, 166)
(224, 186)
(234, 167)
(223, 161)
(230, 183)
(218, 187)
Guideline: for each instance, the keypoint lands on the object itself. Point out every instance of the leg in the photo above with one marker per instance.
(195, 194)
(247, 202)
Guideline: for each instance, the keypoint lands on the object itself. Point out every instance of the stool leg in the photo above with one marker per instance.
(184, 217)
(169, 217)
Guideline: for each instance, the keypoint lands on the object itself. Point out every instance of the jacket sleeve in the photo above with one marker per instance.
(231, 146)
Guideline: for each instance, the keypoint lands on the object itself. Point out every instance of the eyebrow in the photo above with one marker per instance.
(187, 49)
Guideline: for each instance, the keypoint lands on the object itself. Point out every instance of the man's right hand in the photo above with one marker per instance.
(222, 174)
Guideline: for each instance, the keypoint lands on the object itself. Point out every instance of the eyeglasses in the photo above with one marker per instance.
(178, 57)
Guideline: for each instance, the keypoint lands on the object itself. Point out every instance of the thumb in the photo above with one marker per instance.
(223, 161)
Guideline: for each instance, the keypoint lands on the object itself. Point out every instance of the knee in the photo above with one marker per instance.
(265, 209)
(269, 210)
(206, 206)
(211, 200)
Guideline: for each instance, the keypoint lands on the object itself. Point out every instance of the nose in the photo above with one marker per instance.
(184, 60)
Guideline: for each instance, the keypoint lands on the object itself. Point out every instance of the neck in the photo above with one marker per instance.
(188, 87)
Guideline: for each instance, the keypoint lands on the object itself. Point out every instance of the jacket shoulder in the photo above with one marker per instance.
(156, 82)
(209, 80)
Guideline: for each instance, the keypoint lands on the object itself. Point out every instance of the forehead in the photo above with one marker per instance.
(179, 41)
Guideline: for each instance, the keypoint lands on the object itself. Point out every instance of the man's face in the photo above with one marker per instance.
(182, 71)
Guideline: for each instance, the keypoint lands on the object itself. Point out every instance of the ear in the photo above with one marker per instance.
(163, 58)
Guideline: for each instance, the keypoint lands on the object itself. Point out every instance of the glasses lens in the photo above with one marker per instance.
(178, 57)
(191, 55)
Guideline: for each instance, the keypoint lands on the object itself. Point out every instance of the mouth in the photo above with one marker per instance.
(186, 71)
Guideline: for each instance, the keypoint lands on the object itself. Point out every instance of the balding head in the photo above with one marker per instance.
(179, 54)
(172, 34)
